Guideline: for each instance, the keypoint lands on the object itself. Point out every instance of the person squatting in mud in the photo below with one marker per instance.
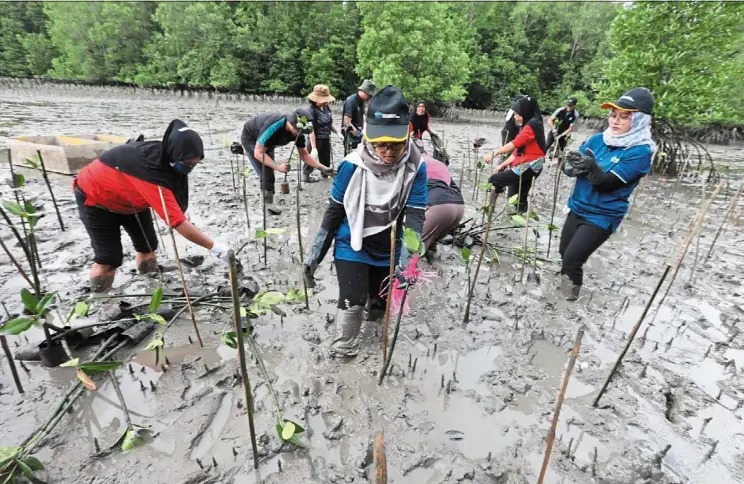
(446, 207)
(320, 138)
(353, 115)
(607, 168)
(262, 133)
(527, 150)
(119, 187)
(381, 182)
(419, 123)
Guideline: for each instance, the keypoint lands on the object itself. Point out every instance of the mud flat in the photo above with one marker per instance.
(680, 385)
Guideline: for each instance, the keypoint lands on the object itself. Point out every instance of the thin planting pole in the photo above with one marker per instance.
(232, 171)
(49, 187)
(395, 334)
(11, 363)
(526, 233)
(632, 335)
(697, 244)
(380, 460)
(731, 208)
(18, 201)
(263, 202)
(120, 396)
(469, 170)
(555, 201)
(235, 291)
(299, 232)
(391, 281)
(462, 165)
(559, 404)
(180, 269)
(245, 202)
(157, 228)
(484, 246)
(16, 263)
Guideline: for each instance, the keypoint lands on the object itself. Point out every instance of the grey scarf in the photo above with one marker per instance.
(639, 133)
(378, 191)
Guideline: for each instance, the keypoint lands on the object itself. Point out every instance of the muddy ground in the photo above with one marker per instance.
(681, 383)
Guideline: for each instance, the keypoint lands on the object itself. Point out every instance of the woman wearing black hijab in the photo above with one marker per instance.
(419, 123)
(527, 152)
(118, 189)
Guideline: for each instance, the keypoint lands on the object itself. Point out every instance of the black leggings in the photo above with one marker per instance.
(510, 180)
(324, 154)
(104, 230)
(357, 282)
(249, 146)
(579, 239)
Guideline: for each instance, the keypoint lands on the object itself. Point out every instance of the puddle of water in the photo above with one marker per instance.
(212, 434)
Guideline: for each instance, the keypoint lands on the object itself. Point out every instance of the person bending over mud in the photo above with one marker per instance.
(607, 167)
(419, 123)
(527, 153)
(446, 206)
(383, 181)
(262, 133)
(118, 189)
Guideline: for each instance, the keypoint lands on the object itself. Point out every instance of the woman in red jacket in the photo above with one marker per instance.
(119, 188)
(527, 153)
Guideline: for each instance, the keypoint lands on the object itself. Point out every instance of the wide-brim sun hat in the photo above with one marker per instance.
(387, 116)
(321, 94)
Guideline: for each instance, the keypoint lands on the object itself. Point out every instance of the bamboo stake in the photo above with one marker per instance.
(391, 281)
(730, 210)
(235, 291)
(380, 460)
(484, 246)
(559, 171)
(180, 269)
(299, 232)
(395, 333)
(232, 171)
(526, 233)
(632, 335)
(559, 403)
(245, 199)
(263, 203)
(16, 263)
(11, 363)
(49, 186)
(154, 217)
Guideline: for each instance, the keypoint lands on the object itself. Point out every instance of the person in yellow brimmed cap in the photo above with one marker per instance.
(382, 182)
(607, 167)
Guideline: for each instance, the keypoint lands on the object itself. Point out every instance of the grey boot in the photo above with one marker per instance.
(306, 178)
(269, 199)
(346, 333)
(569, 290)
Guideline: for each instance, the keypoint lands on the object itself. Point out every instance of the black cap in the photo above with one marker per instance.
(387, 116)
(637, 99)
(572, 101)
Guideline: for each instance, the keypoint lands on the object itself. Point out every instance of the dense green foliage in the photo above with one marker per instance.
(478, 54)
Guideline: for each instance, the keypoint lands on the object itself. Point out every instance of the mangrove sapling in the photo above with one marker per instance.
(391, 275)
(16, 263)
(726, 216)
(180, 269)
(11, 362)
(484, 246)
(264, 234)
(33, 164)
(18, 181)
(38, 310)
(559, 404)
(26, 213)
(86, 369)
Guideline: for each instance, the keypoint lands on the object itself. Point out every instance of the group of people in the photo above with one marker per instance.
(386, 181)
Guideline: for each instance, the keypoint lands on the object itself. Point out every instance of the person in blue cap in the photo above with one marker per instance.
(607, 168)
(382, 182)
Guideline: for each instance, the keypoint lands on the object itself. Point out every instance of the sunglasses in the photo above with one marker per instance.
(392, 147)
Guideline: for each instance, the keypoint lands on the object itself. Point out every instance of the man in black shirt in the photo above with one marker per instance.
(354, 115)
(566, 118)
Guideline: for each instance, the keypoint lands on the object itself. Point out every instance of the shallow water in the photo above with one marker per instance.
(503, 369)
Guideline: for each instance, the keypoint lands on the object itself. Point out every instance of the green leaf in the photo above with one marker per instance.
(16, 326)
(29, 301)
(485, 186)
(14, 208)
(86, 380)
(552, 227)
(495, 256)
(34, 463)
(94, 367)
(411, 241)
(73, 362)
(27, 471)
(269, 299)
(230, 339)
(295, 295)
(298, 428)
(243, 312)
(260, 234)
(288, 431)
(534, 216)
(18, 180)
(275, 230)
(465, 253)
(43, 305)
(8, 453)
(518, 219)
(514, 199)
(156, 342)
(81, 309)
(158, 319)
(296, 441)
(31, 163)
(157, 298)
(132, 440)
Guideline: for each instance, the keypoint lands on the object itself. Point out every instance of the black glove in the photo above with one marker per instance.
(588, 163)
(139, 138)
(236, 148)
(570, 162)
(332, 220)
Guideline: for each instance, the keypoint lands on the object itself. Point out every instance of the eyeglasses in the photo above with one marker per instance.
(621, 115)
(392, 147)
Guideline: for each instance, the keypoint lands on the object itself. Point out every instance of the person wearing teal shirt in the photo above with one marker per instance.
(607, 168)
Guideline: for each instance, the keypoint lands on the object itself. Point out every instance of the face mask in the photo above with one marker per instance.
(183, 168)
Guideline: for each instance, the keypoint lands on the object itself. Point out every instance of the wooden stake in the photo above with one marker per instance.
(395, 333)
(632, 335)
(730, 210)
(49, 187)
(559, 403)
(180, 269)
(391, 281)
(299, 233)
(380, 460)
(235, 291)
(484, 246)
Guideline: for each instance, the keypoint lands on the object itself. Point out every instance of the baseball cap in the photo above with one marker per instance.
(572, 101)
(387, 116)
(637, 99)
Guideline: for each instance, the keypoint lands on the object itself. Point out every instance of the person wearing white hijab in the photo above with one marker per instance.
(607, 168)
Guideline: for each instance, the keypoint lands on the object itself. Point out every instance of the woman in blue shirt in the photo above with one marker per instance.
(607, 167)
(382, 182)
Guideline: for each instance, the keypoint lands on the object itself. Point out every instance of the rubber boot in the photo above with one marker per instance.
(269, 198)
(346, 333)
(374, 310)
(568, 289)
(306, 178)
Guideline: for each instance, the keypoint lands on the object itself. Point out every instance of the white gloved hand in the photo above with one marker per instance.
(314, 153)
(221, 251)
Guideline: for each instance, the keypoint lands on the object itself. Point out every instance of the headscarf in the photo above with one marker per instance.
(528, 108)
(378, 191)
(639, 133)
(152, 161)
(419, 121)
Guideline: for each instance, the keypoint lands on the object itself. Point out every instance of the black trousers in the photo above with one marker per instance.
(324, 154)
(357, 282)
(249, 146)
(510, 180)
(561, 143)
(579, 239)
(104, 230)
